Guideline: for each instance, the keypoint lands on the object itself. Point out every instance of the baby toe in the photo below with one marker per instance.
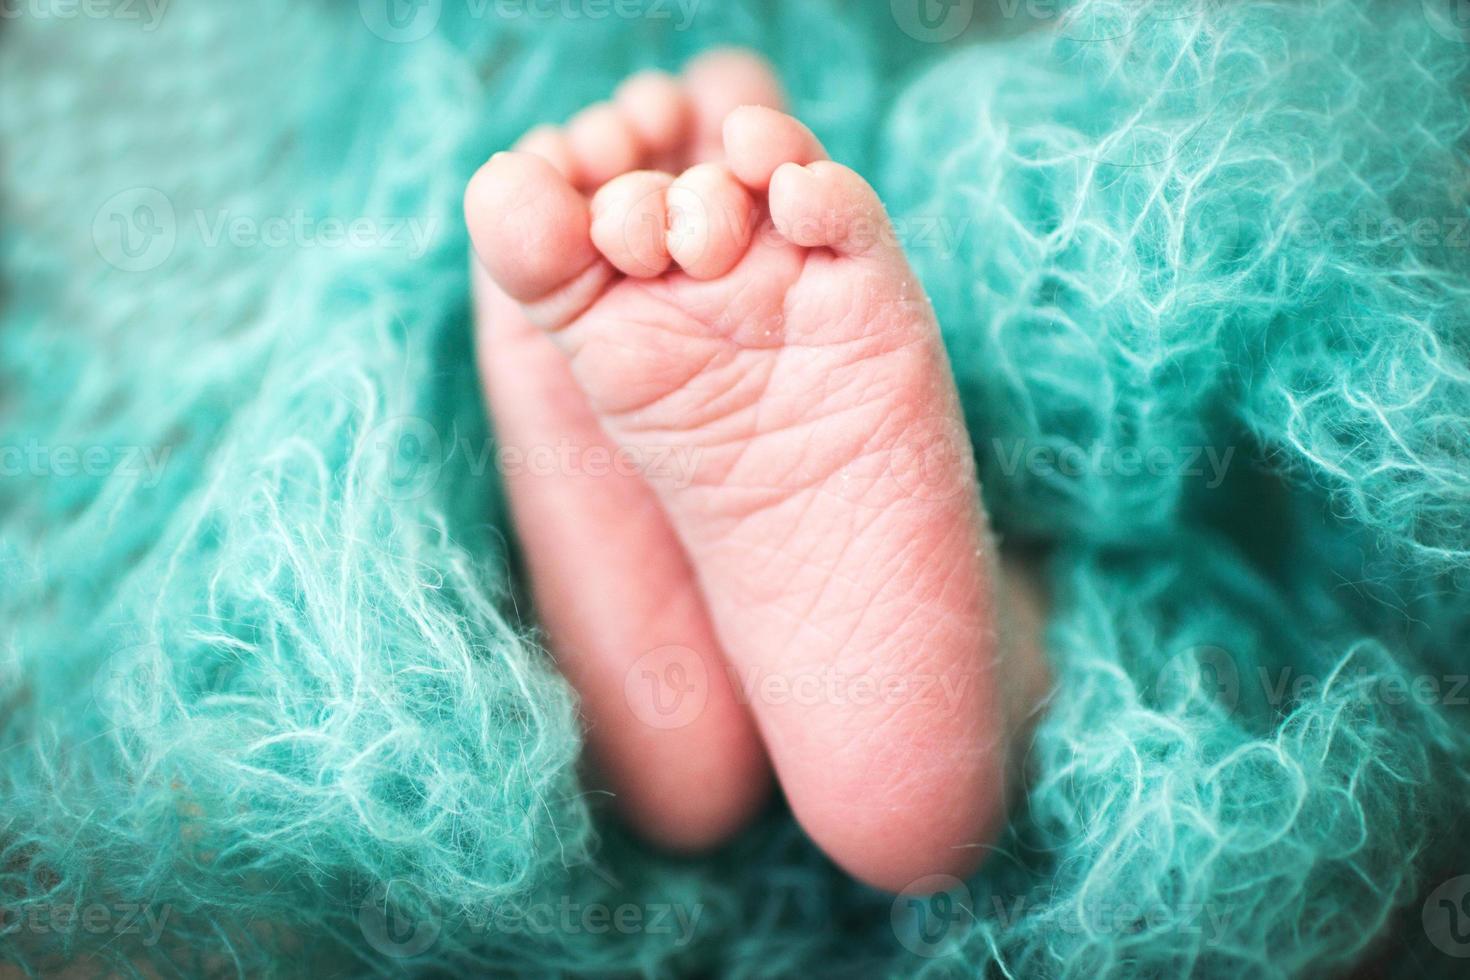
(758, 140)
(711, 216)
(604, 144)
(529, 226)
(657, 109)
(630, 222)
(551, 144)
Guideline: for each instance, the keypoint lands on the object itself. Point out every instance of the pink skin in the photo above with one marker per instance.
(821, 577)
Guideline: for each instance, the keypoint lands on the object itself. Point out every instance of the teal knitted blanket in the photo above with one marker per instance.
(271, 700)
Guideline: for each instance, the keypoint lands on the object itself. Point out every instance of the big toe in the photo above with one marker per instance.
(530, 228)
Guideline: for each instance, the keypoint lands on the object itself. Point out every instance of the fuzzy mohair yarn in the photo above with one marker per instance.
(271, 700)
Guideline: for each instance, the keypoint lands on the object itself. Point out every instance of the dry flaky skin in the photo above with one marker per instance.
(275, 575)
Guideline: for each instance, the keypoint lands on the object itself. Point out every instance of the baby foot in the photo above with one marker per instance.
(755, 311)
(690, 776)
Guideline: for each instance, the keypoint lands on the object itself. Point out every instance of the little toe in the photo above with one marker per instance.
(758, 140)
(529, 226)
(630, 222)
(604, 144)
(825, 204)
(657, 108)
(711, 216)
(551, 144)
(720, 81)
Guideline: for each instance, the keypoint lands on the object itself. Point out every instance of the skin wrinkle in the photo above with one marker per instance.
(636, 420)
(827, 580)
(859, 371)
(747, 446)
(665, 387)
(909, 553)
(862, 401)
(769, 538)
(901, 652)
(758, 444)
(876, 508)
